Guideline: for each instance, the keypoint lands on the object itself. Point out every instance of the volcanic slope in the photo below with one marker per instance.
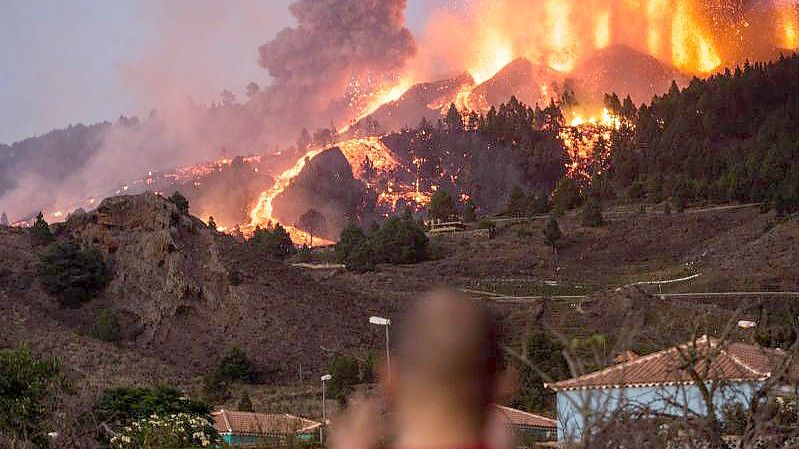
(185, 295)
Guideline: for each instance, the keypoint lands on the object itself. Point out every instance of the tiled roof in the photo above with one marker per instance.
(226, 421)
(730, 362)
(521, 418)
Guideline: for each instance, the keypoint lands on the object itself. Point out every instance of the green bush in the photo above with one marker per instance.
(40, 231)
(592, 214)
(121, 405)
(400, 240)
(106, 327)
(28, 392)
(72, 274)
(180, 202)
(442, 207)
(273, 241)
(235, 367)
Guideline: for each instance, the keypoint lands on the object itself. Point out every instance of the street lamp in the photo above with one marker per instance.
(379, 321)
(325, 378)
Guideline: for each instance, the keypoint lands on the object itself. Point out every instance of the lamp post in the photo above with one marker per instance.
(380, 321)
(324, 379)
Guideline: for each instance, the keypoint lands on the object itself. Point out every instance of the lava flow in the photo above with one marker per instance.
(357, 152)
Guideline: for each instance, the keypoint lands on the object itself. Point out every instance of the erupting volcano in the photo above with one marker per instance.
(538, 51)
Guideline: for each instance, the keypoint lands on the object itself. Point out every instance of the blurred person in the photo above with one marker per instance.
(446, 377)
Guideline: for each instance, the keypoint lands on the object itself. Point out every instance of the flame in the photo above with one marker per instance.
(691, 48)
(494, 54)
(789, 24)
(384, 96)
(602, 32)
(561, 40)
(356, 151)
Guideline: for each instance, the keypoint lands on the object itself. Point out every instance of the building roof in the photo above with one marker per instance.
(521, 418)
(714, 362)
(227, 421)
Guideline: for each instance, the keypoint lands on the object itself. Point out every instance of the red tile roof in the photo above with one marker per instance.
(714, 362)
(226, 421)
(521, 418)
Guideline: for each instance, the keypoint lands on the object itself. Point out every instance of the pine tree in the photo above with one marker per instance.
(245, 403)
(180, 202)
(40, 231)
(517, 203)
(3, 219)
(442, 207)
(469, 211)
(552, 236)
(592, 214)
(212, 223)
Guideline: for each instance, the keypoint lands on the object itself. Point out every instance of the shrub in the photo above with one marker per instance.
(517, 205)
(121, 405)
(40, 231)
(182, 430)
(273, 241)
(28, 387)
(235, 367)
(106, 327)
(180, 202)
(442, 207)
(469, 211)
(399, 241)
(72, 274)
(592, 214)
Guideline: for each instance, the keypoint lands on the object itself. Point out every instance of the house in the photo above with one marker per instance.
(251, 429)
(529, 427)
(667, 383)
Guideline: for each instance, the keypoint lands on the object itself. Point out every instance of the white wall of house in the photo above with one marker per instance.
(577, 409)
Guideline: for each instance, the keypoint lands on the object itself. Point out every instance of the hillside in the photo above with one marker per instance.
(172, 288)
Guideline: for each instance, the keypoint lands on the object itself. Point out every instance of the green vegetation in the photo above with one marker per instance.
(180, 202)
(592, 214)
(442, 207)
(29, 387)
(469, 211)
(40, 231)
(121, 405)
(106, 327)
(233, 367)
(273, 241)
(348, 371)
(400, 240)
(544, 363)
(730, 137)
(73, 274)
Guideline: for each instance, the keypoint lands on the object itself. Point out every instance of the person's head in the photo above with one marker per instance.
(447, 362)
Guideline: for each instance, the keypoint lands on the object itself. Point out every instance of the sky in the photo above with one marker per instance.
(84, 61)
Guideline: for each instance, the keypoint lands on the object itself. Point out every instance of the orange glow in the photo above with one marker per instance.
(561, 40)
(356, 151)
(602, 32)
(789, 24)
(691, 49)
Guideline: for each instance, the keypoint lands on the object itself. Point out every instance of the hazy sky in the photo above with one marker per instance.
(84, 61)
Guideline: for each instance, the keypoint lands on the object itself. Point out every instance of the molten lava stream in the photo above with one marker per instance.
(262, 213)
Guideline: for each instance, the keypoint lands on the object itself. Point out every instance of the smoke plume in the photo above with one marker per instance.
(333, 41)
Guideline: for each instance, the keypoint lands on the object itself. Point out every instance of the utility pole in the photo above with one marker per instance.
(324, 379)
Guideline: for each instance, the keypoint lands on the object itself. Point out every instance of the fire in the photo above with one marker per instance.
(356, 151)
(384, 96)
(561, 40)
(559, 34)
(581, 139)
(602, 32)
(691, 48)
(789, 24)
